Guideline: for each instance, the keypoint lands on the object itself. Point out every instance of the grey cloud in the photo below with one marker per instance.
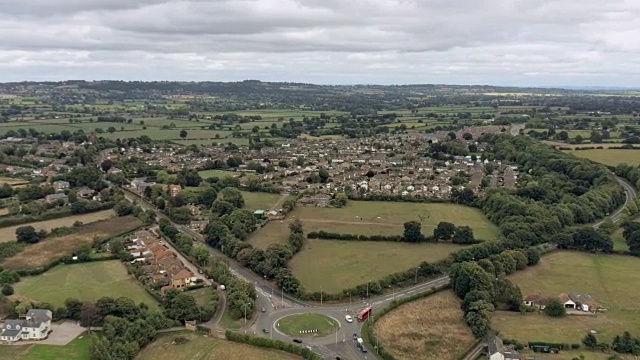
(486, 41)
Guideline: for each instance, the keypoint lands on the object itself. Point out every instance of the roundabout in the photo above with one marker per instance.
(307, 325)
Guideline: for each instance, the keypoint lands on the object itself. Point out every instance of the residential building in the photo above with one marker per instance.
(34, 325)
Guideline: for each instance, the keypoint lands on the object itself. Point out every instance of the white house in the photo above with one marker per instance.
(34, 325)
(497, 351)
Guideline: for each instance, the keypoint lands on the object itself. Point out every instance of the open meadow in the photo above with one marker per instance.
(376, 217)
(333, 265)
(428, 328)
(86, 281)
(9, 233)
(52, 248)
(217, 173)
(610, 279)
(611, 157)
(206, 348)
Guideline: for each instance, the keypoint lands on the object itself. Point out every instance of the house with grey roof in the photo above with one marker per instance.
(34, 325)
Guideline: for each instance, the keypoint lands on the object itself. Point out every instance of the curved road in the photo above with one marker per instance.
(278, 304)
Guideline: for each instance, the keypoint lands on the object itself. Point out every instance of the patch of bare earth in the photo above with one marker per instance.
(52, 248)
(429, 328)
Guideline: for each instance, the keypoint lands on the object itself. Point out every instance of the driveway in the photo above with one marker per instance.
(61, 334)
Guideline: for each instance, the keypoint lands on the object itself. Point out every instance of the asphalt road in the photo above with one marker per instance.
(278, 305)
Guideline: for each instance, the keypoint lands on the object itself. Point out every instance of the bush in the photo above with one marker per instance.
(555, 308)
(7, 290)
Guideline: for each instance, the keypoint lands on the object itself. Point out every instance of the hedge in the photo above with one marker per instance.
(558, 346)
(354, 237)
(272, 344)
(367, 328)
(397, 198)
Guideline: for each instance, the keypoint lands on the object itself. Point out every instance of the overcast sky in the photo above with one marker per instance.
(499, 42)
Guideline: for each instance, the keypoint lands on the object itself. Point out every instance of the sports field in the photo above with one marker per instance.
(216, 173)
(610, 279)
(206, 348)
(333, 265)
(429, 328)
(375, 217)
(87, 281)
(610, 157)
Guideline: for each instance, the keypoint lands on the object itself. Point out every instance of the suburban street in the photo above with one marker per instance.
(278, 305)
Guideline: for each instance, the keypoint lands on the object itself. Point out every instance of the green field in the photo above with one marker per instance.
(610, 157)
(87, 281)
(77, 349)
(293, 325)
(610, 279)
(259, 201)
(216, 173)
(332, 265)
(199, 347)
(375, 217)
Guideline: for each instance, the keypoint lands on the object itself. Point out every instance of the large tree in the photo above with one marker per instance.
(412, 232)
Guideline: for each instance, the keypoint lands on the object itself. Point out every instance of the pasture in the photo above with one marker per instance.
(428, 328)
(333, 265)
(375, 217)
(206, 348)
(9, 233)
(610, 279)
(87, 281)
(611, 157)
(53, 248)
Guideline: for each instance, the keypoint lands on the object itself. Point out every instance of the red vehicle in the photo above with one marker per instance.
(364, 314)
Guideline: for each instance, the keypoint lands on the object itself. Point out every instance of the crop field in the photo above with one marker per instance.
(610, 279)
(333, 265)
(77, 349)
(206, 348)
(12, 181)
(52, 248)
(374, 217)
(429, 328)
(610, 157)
(87, 281)
(9, 233)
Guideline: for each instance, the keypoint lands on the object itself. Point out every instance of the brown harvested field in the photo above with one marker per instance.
(429, 328)
(9, 233)
(12, 181)
(49, 249)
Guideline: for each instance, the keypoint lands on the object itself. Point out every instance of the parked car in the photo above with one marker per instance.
(297, 341)
(364, 349)
(266, 331)
(200, 271)
(263, 309)
(348, 318)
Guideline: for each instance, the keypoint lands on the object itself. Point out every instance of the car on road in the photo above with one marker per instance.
(348, 318)
(200, 271)
(355, 336)
(298, 341)
(266, 331)
(364, 349)
(263, 309)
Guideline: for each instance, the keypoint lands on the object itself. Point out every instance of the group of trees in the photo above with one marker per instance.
(483, 287)
(631, 234)
(241, 295)
(622, 344)
(584, 238)
(446, 231)
(555, 191)
(29, 235)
